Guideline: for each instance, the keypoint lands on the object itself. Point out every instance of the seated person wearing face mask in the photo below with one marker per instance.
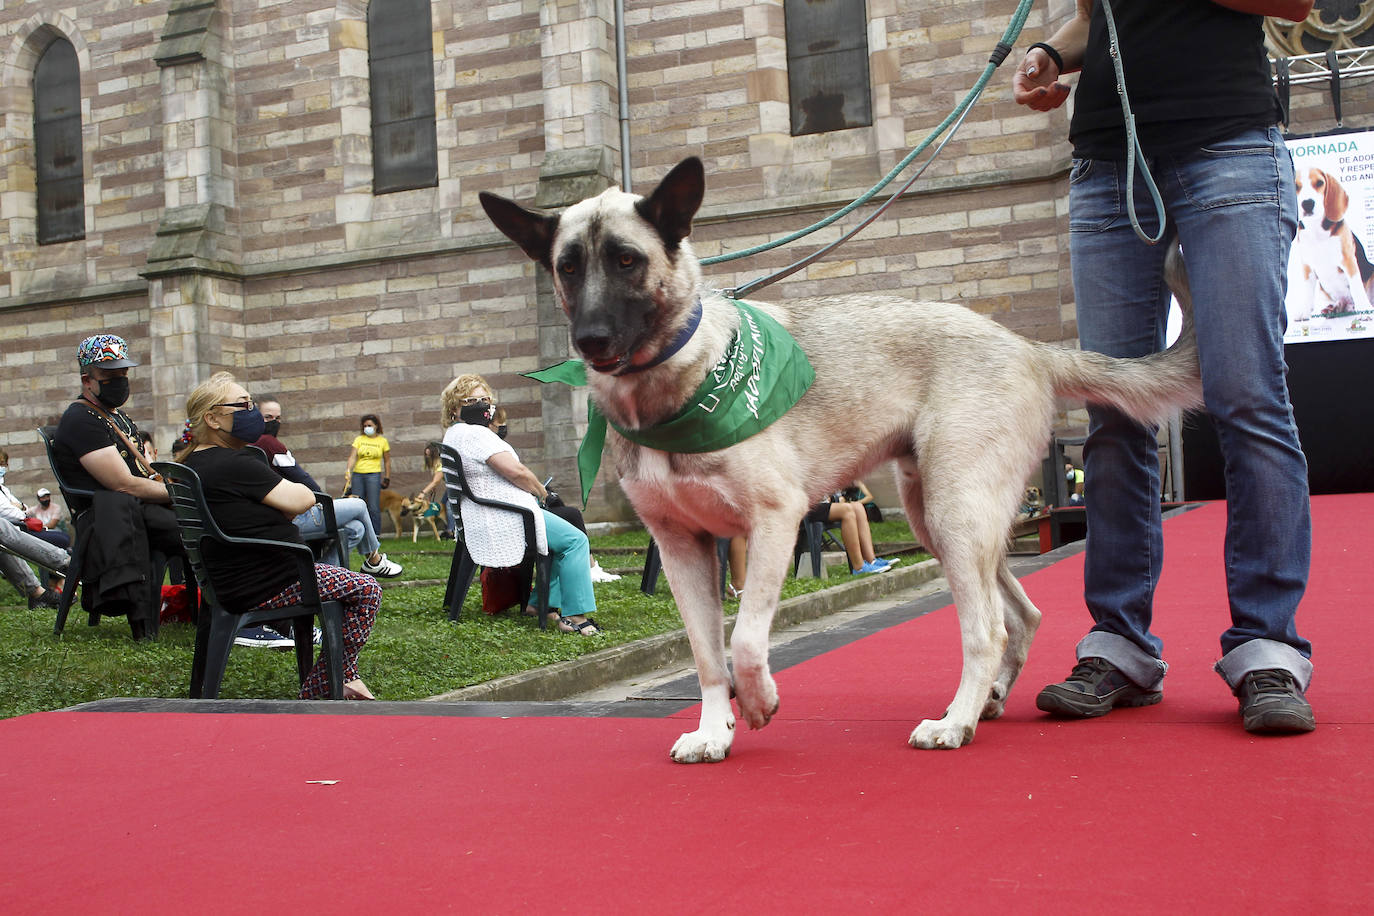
(48, 512)
(494, 537)
(350, 513)
(96, 448)
(14, 511)
(249, 499)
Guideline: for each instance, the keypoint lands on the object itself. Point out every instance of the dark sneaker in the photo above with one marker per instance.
(1094, 688)
(49, 599)
(1271, 703)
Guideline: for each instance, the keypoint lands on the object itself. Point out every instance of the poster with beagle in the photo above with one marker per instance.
(1330, 273)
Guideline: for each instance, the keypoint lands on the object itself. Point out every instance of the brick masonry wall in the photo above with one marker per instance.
(345, 303)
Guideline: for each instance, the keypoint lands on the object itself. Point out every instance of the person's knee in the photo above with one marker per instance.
(353, 532)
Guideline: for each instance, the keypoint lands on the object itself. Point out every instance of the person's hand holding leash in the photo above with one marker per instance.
(1036, 82)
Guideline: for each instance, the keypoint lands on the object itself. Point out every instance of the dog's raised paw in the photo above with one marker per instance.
(939, 735)
(700, 747)
(757, 698)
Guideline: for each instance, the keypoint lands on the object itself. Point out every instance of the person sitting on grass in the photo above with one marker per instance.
(249, 499)
(494, 537)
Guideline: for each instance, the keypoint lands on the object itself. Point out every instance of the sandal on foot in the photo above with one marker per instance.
(587, 624)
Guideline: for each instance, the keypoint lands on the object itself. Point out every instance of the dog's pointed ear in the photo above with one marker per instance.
(671, 206)
(531, 230)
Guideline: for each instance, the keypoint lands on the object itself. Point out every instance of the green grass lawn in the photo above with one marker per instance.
(414, 651)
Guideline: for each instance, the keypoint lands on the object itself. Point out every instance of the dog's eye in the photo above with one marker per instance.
(568, 268)
(628, 260)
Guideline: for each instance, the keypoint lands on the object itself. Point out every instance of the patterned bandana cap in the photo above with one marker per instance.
(106, 350)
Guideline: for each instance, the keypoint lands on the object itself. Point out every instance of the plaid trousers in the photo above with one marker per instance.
(360, 596)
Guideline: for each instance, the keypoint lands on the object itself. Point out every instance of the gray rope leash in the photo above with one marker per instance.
(760, 282)
(1135, 156)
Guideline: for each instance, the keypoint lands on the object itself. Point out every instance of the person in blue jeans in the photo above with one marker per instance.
(351, 514)
(1198, 80)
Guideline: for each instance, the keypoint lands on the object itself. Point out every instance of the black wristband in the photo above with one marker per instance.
(1053, 54)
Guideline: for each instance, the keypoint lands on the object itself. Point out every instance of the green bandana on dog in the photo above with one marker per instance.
(762, 374)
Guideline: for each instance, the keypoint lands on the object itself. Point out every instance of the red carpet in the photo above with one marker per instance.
(1171, 808)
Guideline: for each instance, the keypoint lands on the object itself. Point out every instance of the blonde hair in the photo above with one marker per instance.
(452, 398)
(200, 402)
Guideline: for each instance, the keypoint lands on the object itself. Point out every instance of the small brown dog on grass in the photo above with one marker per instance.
(416, 509)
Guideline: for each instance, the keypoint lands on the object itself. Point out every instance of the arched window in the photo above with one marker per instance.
(400, 60)
(57, 144)
(827, 65)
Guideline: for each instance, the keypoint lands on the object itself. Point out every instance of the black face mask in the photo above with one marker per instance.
(502, 430)
(113, 391)
(247, 425)
(271, 427)
(45, 503)
(478, 414)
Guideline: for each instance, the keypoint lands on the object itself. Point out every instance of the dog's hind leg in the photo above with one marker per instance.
(958, 527)
(1022, 619)
(690, 561)
(984, 637)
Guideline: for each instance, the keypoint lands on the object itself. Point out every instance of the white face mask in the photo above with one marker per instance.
(2, 472)
(369, 430)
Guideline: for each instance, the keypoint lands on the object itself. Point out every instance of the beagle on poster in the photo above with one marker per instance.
(1335, 271)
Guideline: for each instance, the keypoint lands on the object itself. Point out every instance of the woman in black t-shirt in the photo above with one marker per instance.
(249, 499)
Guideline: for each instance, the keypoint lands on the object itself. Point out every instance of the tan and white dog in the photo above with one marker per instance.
(422, 511)
(1335, 270)
(967, 407)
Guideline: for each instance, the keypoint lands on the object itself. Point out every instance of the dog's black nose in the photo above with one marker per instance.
(1308, 206)
(595, 347)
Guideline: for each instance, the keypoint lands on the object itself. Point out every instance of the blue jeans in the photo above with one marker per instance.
(1235, 211)
(570, 585)
(368, 487)
(355, 527)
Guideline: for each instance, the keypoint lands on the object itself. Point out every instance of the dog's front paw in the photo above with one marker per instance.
(940, 735)
(702, 746)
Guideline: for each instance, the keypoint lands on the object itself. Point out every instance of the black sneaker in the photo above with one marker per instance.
(1094, 688)
(49, 599)
(1271, 703)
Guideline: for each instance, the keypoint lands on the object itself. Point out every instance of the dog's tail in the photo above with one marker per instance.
(1149, 389)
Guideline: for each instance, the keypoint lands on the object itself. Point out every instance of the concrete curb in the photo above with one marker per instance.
(595, 669)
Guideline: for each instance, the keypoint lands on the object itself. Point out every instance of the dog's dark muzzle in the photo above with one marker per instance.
(607, 343)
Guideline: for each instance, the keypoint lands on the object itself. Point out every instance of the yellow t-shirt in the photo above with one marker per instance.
(370, 451)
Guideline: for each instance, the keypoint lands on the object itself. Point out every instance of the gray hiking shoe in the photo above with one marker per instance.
(1094, 688)
(1271, 703)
